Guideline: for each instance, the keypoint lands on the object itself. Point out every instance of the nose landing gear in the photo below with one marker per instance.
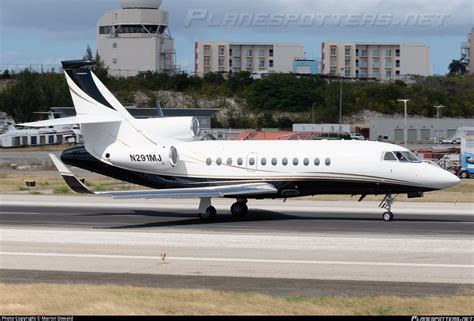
(387, 205)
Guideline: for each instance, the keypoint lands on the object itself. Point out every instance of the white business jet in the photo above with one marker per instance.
(165, 155)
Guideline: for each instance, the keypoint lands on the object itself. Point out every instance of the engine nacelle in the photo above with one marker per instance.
(145, 158)
(179, 128)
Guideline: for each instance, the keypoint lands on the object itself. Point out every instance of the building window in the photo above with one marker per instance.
(388, 74)
(270, 52)
(364, 52)
(375, 52)
(388, 63)
(274, 161)
(317, 162)
(114, 45)
(397, 64)
(333, 71)
(249, 63)
(230, 63)
(114, 60)
(388, 53)
(207, 61)
(261, 63)
(207, 50)
(284, 161)
(347, 73)
(221, 61)
(270, 63)
(263, 161)
(207, 70)
(333, 61)
(261, 52)
(348, 61)
(249, 52)
(348, 50)
(397, 73)
(208, 162)
(375, 63)
(357, 52)
(333, 50)
(397, 53)
(328, 161)
(105, 30)
(221, 50)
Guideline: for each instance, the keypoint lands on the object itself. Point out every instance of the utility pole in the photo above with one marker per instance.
(437, 121)
(405, 102)
(340, 102)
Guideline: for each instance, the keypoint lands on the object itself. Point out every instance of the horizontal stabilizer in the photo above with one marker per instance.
(81, 119)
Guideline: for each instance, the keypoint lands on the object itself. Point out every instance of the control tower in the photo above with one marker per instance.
(136, 38)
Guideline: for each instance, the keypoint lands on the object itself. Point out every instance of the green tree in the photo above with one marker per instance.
(458, 67)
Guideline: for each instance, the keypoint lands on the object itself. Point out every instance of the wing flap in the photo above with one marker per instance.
(250, 189)
(245, 189)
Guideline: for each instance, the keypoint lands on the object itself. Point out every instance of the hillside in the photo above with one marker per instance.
(275, 101)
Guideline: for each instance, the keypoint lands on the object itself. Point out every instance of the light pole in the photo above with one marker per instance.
(340, 102)
(437, 121)
(405, 102)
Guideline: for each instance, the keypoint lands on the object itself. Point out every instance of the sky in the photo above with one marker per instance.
(48, 31)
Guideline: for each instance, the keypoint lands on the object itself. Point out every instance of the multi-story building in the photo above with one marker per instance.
(373, 60)
(467, 49)
(230, 57)
(136, 38)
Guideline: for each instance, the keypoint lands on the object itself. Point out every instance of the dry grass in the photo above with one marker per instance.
(16, 182)
(11, 182)
(118, 300)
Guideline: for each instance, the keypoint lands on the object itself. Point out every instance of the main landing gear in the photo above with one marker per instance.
(207, 212)
(387, 205)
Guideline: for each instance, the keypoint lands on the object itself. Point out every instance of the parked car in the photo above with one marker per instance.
(357, 136)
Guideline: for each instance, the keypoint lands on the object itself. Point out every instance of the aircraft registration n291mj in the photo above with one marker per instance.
(164, 154)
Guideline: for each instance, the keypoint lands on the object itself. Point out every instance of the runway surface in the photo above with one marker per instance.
(297, 248)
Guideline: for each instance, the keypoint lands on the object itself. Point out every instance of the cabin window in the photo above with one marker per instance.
(208, 162)
(219, 161)
(389, 157)
(240, 161)
(295, 161)
(274, 161)
(229, 161)
(317, 162)
(306, 161)
(284, 161)
(328, 162)
(263, 161)
(252, 161)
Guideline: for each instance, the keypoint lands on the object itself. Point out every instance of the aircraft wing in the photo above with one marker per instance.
(245, 189)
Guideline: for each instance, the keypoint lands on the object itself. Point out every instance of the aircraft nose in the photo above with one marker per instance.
(445, 179)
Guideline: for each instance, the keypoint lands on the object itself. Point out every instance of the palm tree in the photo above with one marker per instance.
(458, 67)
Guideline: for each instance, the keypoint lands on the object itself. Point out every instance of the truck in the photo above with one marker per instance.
(466, 165)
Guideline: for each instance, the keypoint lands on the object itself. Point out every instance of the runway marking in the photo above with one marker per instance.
(232, 260)
(20, 213)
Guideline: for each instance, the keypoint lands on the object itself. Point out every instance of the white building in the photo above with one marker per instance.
(374, 60)
(467, 50)
(252, 57)
(136, 38)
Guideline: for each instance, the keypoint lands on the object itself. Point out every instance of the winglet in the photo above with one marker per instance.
(71, 180)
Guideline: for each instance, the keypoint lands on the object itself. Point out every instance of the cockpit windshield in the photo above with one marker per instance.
(404, 157)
